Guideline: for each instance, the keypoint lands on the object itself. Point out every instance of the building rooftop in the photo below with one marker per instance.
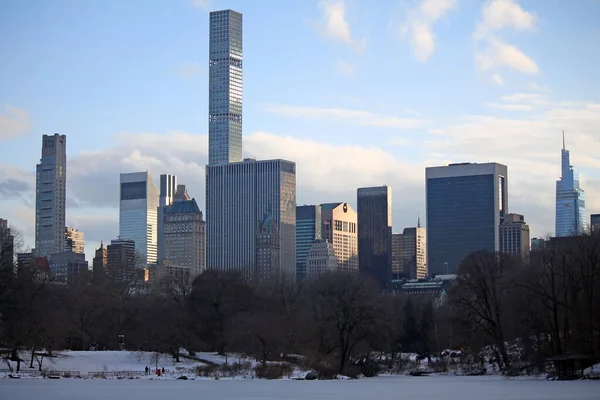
(331, 206)
(183, 207)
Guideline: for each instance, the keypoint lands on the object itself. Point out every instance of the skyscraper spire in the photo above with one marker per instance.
(418, 218)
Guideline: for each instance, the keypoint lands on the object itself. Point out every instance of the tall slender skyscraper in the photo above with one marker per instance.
(570, 199)
(375, 232)
(50, 199)
(466, 203)
(225, 88)
(137, 213)
(168, 186)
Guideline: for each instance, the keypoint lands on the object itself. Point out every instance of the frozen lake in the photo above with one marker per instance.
(405, 388)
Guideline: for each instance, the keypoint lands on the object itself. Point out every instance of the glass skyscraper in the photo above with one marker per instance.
(570, 200)
(466, 203)
(50, 196)
(138, 209)
(375, 232)
(225, 88)
(308, 229)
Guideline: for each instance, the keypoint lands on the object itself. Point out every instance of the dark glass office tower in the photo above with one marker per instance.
(466, 203)
(308, 229)
(375, 232)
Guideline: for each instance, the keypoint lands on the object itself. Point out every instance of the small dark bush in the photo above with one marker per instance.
(234, 369)
(206, 370)
(273, 371)
(325, 371)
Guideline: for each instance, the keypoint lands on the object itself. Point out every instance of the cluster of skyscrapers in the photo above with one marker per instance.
(253, 224)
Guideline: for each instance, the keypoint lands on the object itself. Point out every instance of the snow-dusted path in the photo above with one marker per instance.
(405, 388)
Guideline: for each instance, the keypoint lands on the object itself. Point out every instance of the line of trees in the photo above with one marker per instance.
(516, 312)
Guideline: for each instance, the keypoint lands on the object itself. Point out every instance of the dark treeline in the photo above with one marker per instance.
(511, 312)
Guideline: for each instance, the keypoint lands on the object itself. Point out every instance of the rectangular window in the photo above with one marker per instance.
(133, 190)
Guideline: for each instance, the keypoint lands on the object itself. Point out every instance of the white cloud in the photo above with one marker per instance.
(13, 122)
(347, 69)
(190, 70)
(201, 4)
(511, 107)
(497, 79)
(534, 98)
(335, 26)
(419, 26)
(499, 54)
(538, 88)
(360, 117)
(495, 16)
(498, 14)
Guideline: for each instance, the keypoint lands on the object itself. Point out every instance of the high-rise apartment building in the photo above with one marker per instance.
(375, 232)
(570, 199)
(238, 196)
(514, 235)
(225, 87)
(168, 186)
(74, 240)
(267, 248)
(321, 259)
(7, 248)
(185, 236)
(138, 209)
(308, 229)
(339, 226)
(466, 203)
(100, 265)
(50, 196)
(409, 254)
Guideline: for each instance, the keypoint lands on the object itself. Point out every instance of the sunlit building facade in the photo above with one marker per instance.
(339, 226)
(138, 213)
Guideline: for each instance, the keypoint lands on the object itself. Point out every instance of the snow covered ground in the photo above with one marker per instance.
(406, 388)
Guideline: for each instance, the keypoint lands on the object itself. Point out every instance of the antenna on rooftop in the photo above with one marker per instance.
(564, 148)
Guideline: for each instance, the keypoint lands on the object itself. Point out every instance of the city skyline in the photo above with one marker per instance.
(520, 120)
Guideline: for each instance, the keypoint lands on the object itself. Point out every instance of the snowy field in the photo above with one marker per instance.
(405, 388)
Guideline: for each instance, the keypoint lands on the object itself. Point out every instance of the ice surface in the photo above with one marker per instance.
(405, 388)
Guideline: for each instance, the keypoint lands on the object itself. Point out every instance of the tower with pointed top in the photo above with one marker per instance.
(570, 199)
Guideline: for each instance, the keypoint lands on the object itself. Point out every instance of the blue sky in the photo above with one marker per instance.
(358, 93)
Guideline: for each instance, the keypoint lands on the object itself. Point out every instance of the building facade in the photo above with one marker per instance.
(168, 186)
(68, 268)
(466, 203)
(320, 259)
(238, 196)
(7, 247)
(138, 209)
(50, 196)
(375, 232)
(121, 263)
(185, 236)
(409, 254)
(339, 226)
(225, 88)
(514, 235)
(308, 229)
(100, 265)
(268, 247)
(167, 271)
(74, 240)
(595, 222)
(571, 216)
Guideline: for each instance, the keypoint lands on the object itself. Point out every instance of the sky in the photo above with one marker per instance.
(358, 93)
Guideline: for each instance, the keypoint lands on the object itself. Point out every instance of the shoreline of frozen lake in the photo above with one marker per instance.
(409, 388)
